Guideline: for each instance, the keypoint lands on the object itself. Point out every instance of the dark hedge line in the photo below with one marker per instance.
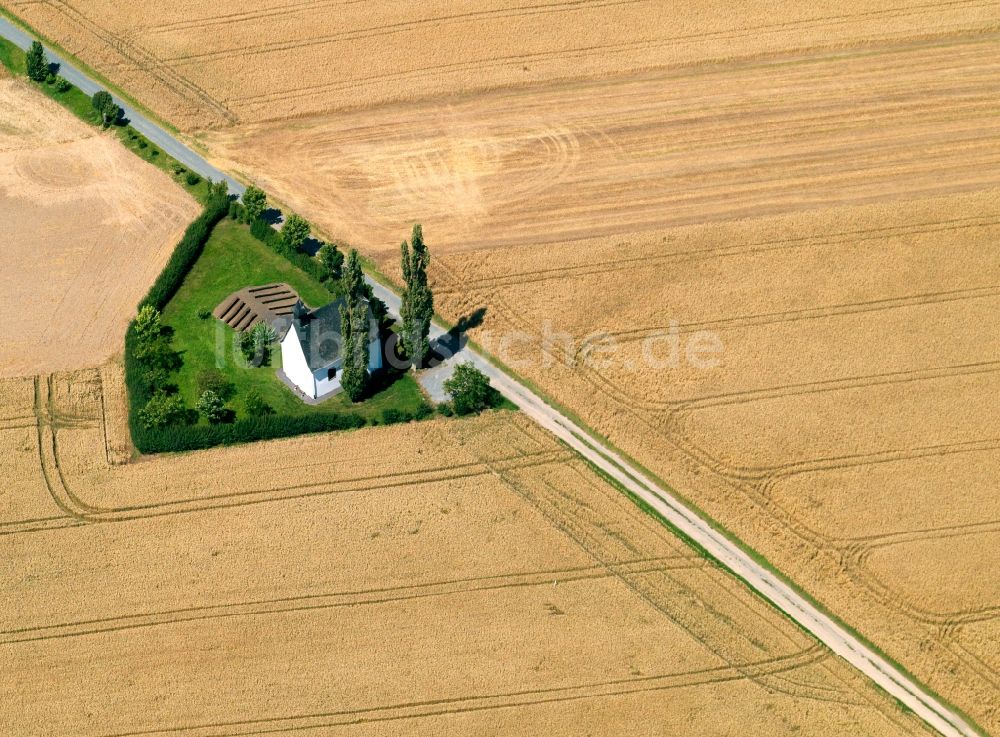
(197, 437)
(186, 253)
(176, 438)
(270, 237)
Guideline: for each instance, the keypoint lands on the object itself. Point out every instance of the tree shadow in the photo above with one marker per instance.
(271, 216)
(311, 246)
(455, 339)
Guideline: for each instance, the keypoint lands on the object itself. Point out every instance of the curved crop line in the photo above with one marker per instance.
(394, 28)
(469, 704)
(257, 14)
(813, 313)
(142, 59)
(369, 597)
(783, 244)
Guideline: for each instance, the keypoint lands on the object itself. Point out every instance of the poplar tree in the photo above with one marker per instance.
(354, 329)
(418, 302)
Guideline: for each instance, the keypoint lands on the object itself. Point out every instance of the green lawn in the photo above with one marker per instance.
(12, 57)
(234, 259)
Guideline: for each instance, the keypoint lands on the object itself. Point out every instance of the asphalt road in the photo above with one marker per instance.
(729, 554)
(155, 133)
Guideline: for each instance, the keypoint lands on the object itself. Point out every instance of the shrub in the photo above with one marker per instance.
(470, 390)
(143, 143)
(204, 314)
(256, 344)
(213, 380)
(186, 253)
(50, 78)
(391, 416)
(446, 409)
(211, 407)
(192, 178)
(255, 404)
(162, 410)
(236, 211)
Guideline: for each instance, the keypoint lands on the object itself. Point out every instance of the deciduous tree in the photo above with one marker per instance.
(470, 390)
(331, 260)
(211, 406)
(162, 410)
(294, 232)
(104, 104)
(255, 202)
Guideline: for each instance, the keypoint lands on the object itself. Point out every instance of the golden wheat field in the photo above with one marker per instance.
(488, 583)
(87, 227)
(814, 185)
(215, 64)
(839, 239)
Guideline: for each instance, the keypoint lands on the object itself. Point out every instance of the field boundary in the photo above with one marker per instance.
(595, 446)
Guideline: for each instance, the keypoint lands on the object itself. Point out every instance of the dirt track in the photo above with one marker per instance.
(825, 200)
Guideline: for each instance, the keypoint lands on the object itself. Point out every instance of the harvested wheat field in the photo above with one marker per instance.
(489, 583)
(839, 239)
(87, 227)
(213, 64)
(815, 187)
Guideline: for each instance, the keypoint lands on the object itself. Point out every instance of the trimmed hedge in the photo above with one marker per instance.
(195, 436)
(198, 437)
(271, 238)
(186, 253)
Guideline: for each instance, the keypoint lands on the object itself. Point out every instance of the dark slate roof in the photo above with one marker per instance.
(319, 332)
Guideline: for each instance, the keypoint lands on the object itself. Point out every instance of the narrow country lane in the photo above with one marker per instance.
(728, 553)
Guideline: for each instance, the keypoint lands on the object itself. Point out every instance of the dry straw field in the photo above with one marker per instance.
(213, 64)
(86, 228)
(815, 184)
(488, 583)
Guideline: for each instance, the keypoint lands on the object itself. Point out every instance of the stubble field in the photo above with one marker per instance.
(86, 228)
(831, 219)
(488, 583)
(208, 65)
(815, 185)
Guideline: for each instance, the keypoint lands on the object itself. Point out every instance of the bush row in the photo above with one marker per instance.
(197, 437)
(270, 237)
(176, 438)
(186, 253)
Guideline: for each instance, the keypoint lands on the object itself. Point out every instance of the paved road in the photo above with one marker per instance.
(728, 553)
(155, 133)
